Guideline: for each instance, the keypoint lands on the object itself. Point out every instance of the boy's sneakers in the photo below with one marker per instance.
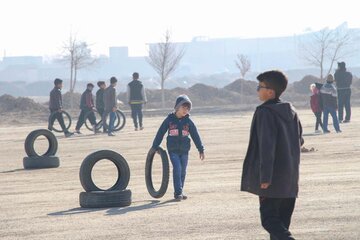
(78, 132)
(141, 128)
(69, 134)
(136, 129)
(326, 131)
(318, 131)
(111, 134)
(339, 131)
(346, 121)
(180, 197)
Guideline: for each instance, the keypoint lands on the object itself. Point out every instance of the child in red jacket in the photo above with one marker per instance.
(316, 107)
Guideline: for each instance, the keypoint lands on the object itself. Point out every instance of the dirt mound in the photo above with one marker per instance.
(303, 86)
(71, 97)
(9, 103)
(242, 86)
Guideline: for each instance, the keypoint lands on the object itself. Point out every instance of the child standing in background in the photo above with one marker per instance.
(316, 106)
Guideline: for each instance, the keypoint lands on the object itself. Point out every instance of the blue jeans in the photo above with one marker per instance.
(112, 121)
(136, 113)
(332, 112)
(179, 163)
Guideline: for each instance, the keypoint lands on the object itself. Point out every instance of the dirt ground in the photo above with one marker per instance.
(44, 204)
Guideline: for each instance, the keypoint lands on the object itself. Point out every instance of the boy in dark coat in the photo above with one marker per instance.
(179, 128)
(56, 108)
(100, 106)
(86, 106)
(271, 165)
(136, 98)
(343, 80)
(110, 106)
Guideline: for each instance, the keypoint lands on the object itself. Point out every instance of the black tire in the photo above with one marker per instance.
(105, 199)
(89, 162)
(98, 122)
(30, 141)
(165, 174)
(41, 162)
(121, 121)
(67, 116)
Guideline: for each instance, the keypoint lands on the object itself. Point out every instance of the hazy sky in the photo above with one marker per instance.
(39, 27)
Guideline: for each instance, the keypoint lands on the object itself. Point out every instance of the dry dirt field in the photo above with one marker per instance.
(44, 204)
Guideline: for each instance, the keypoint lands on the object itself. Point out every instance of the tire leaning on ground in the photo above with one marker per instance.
(105, 199)
(67, 116)
(41, 162)
(121, 121)
(165, 173)
(30, 141)
(90, 161)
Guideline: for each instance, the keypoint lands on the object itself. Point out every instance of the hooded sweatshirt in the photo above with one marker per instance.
(55, 102)
(273, 155)
(328, 95)
(178, 132)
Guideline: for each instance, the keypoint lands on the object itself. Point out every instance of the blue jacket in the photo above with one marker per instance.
(178, 130)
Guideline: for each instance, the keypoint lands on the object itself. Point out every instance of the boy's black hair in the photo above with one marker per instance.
(100, 83)
(113, 80)
(57, 81)
(90, 85)
(275, 80)
(135, 75)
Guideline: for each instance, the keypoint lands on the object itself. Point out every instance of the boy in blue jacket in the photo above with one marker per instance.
(179, 127)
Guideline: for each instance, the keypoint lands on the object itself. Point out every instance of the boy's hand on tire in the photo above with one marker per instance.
(264, 185)
(202, 156)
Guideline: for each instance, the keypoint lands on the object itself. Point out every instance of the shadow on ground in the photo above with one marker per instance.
(116, 211)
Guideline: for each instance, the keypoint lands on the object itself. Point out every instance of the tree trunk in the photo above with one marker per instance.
(162, 93)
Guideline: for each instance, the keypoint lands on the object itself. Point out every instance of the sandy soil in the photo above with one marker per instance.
(43, 204)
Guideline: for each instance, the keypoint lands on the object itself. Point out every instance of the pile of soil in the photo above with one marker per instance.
(10, 104)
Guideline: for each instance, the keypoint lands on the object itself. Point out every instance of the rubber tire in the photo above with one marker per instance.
(30, 140)
(120, 124)
(89, 162)
(41, 162)
(165, 174)
(105, 199)
(67, 127)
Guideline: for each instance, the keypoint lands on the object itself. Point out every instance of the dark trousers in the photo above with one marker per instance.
(58, 115)
(344, 96)
(136, 114)
(82, 119)
(318, 121)
(276, 216)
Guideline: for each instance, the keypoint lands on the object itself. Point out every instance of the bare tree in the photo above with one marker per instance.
(78, 55)
(243, 64)
(327, 46)
(164, 58)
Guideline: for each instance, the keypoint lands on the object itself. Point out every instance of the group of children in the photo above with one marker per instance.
(271, 165)
(331, 97)
(105, 105)
(324, 100)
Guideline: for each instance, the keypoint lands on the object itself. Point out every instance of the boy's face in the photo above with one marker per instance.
(90, 88)
(183, 111)
(103, 86)
(60, 86)
(265, 93)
